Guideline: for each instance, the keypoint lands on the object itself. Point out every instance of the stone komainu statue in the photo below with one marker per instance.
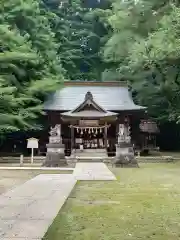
(56, 131)
(55, 156)
(124, 149)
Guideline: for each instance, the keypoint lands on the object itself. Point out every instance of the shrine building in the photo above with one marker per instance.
(90, 114)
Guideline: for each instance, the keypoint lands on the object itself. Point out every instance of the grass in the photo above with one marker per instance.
(11, 178)
(142, 204)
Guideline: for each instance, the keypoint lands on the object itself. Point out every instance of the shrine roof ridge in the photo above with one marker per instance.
(96, 83)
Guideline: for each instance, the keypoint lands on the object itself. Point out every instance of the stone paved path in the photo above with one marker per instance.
(27, 211)
(38, 168)
(93, 171)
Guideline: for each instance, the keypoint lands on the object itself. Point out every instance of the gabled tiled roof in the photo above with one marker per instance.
(88, 109)
(111, 96)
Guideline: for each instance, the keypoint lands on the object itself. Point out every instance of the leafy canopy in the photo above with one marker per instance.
(144, 44)
(29, 64)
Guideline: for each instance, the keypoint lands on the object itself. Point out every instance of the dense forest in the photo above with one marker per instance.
(44, 42)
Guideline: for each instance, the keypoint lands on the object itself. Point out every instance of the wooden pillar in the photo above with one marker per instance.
(72, 138)
(117, 131)
(117, 128)
(105, 135)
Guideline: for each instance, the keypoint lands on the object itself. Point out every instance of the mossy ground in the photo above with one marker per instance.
(142, 204)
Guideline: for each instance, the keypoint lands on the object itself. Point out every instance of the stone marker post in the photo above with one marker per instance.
(21, 160)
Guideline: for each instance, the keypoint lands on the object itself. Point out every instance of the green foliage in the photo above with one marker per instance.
(44, 41)
(78, 31)
(145, 46)
(29, 64)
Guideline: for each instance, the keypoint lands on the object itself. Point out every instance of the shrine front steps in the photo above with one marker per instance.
(91, 152)
(90, 155)
(89, 159)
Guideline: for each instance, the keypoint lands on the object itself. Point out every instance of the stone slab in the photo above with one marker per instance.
(32, 229)
(28, 210)
(5, 226)
(14, 238)
(38, 168)
(7, 202)
(93, 171)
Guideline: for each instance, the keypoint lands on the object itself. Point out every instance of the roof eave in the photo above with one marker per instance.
(67, 114)
(113, 110)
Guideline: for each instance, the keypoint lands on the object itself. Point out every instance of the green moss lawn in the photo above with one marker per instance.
(143, 204)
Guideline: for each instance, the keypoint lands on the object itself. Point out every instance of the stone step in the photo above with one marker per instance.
(89, 159)
(84, 152)
(92, 150)
(91, 153)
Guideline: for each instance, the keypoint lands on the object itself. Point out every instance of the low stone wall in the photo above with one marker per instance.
(27, 160)
(71, 161)
(37, 159)
(157, 159)
(150, 159)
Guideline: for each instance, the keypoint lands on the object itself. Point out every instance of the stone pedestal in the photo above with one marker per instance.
(55, 156)
(125, 155)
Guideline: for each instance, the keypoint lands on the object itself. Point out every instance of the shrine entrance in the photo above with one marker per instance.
(89, 137)
(89, 124)
(78, 105)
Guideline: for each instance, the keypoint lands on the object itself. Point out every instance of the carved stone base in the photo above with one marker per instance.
(125, 155)
(54, 139)
(55, 156)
